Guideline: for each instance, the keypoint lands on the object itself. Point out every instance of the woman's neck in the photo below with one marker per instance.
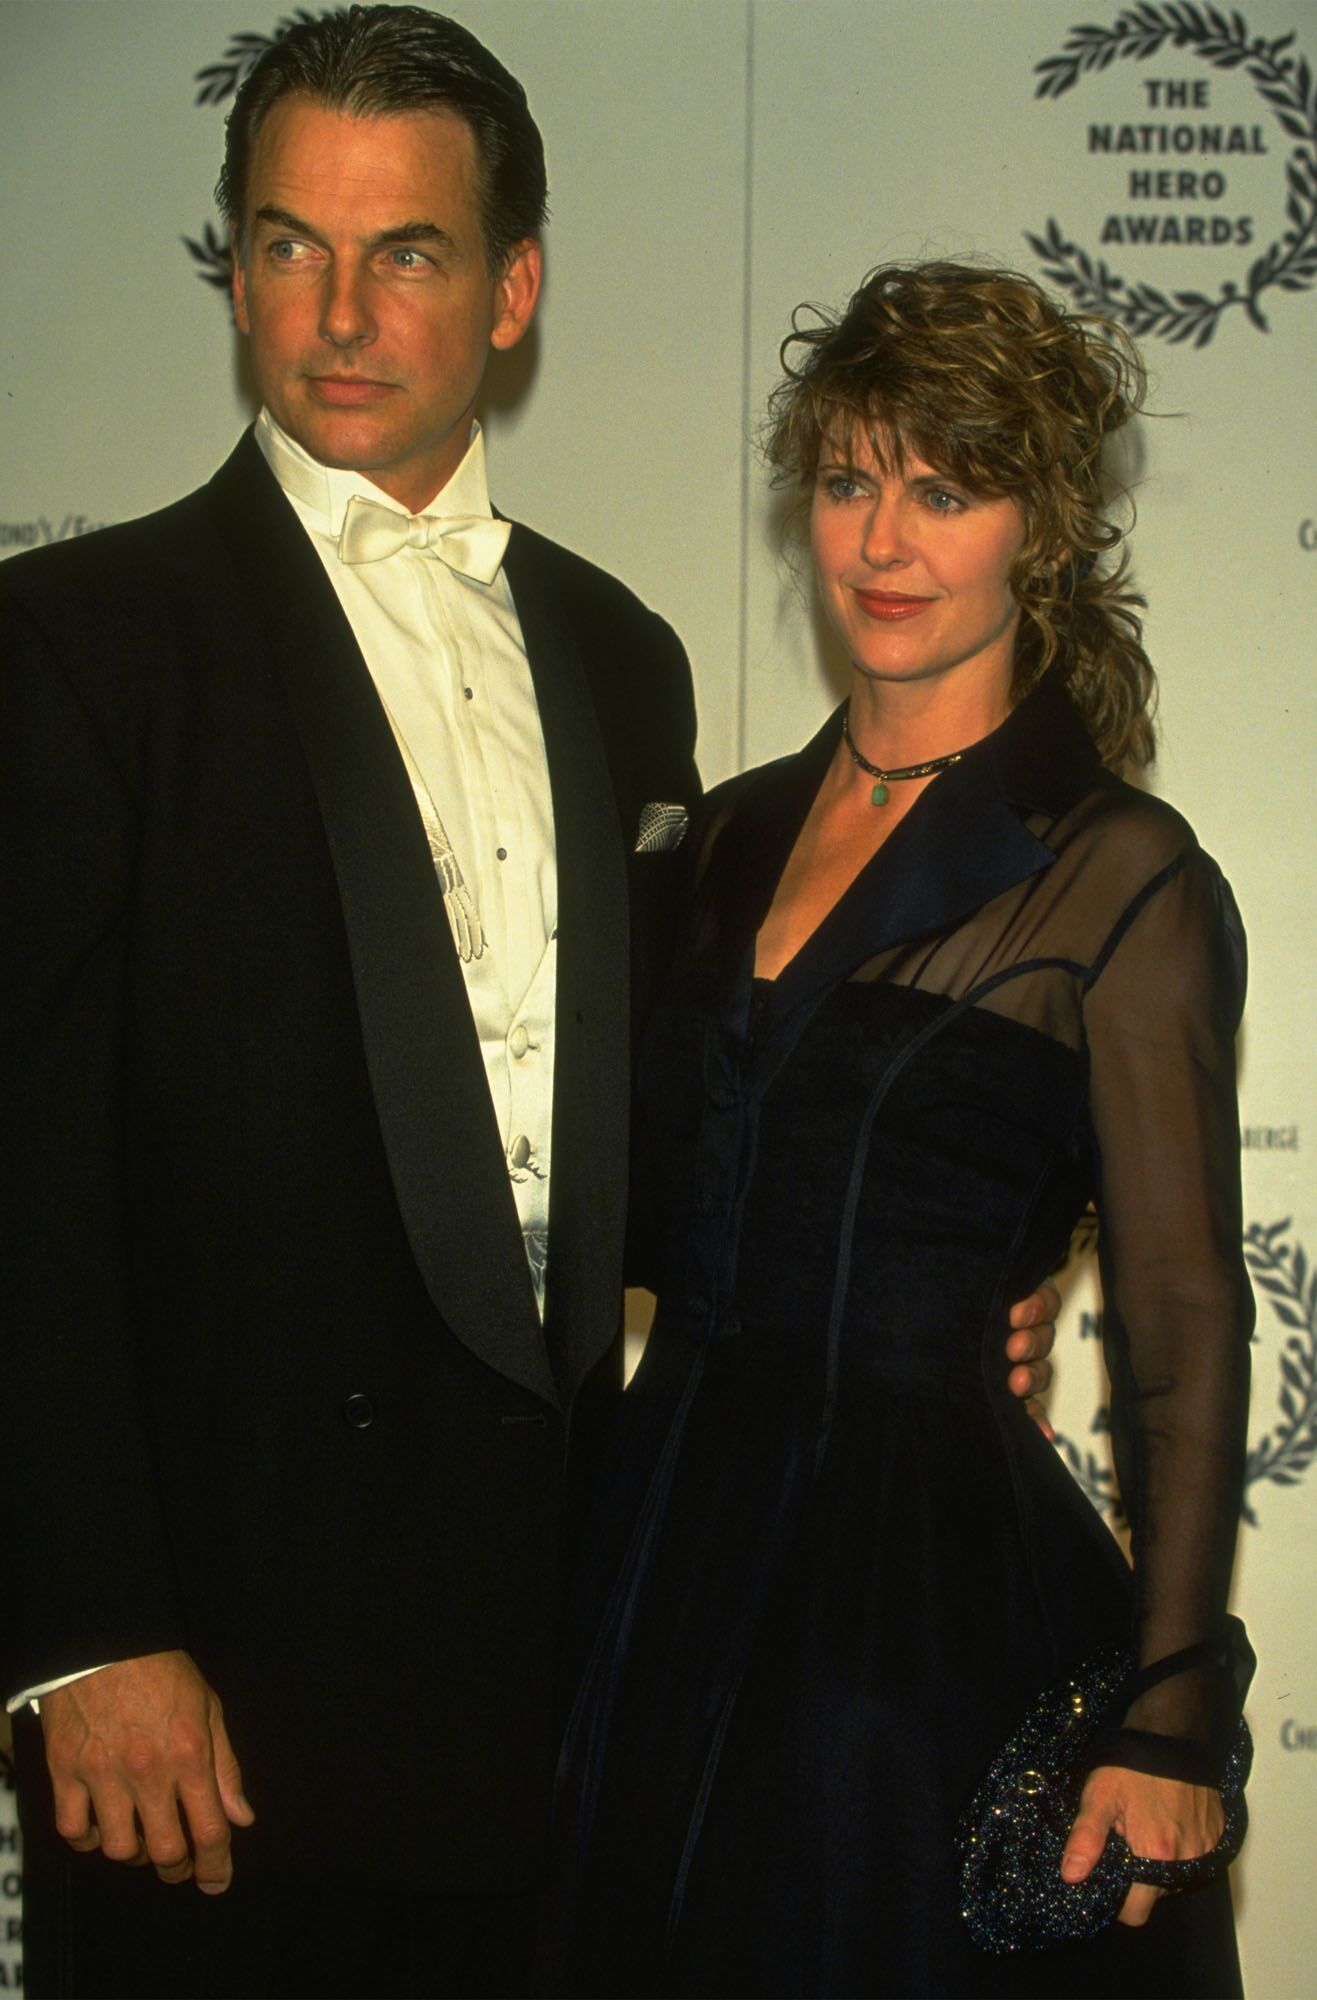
(896, 724)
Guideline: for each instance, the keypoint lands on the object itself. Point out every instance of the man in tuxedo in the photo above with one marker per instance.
(340, 819)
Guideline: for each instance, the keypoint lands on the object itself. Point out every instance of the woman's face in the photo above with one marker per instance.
(914, 569)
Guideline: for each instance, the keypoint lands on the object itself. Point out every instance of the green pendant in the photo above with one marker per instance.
(878, 796)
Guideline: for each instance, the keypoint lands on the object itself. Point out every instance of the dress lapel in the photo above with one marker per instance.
(962, 843)
(591, 1054)
(423, 1054)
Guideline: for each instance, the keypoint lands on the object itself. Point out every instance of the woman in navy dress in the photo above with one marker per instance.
(946, 979)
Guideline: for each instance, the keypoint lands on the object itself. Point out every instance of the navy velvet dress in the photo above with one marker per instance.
(831, 1559)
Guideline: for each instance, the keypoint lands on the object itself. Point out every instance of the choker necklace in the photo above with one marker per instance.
(878, 796)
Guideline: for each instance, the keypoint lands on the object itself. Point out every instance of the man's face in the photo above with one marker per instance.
(360, 280)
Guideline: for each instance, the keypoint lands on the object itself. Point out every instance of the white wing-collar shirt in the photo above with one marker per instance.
(448, 660)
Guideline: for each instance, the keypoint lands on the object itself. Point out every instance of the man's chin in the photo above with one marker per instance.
(379, 442)
(348, 440)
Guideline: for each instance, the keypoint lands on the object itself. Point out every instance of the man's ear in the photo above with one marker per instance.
(518, 289)
(241, 318)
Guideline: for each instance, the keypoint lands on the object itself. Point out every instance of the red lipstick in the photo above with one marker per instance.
(892, 606)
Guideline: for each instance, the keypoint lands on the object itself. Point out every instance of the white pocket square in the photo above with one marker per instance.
(662, 827)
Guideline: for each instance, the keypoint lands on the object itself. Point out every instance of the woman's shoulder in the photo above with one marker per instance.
(723, 803)
(1138, 860)
(1133, 835)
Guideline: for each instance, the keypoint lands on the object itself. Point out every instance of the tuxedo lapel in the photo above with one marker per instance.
(423, 1054)
(591, 1054)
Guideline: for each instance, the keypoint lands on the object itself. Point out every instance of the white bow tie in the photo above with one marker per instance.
(472, 544)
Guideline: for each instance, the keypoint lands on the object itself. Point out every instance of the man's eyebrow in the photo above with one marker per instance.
(283, 218)
(401, 232)
(413, 232)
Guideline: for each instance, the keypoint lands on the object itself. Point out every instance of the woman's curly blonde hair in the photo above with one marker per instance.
(978, 373)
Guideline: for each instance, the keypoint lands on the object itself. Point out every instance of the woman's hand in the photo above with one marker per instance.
(1161, 1819)
(1028, 1345)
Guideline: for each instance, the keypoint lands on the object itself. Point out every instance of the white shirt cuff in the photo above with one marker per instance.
(32, 1694)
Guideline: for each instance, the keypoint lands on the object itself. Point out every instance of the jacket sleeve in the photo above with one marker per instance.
(88, 1574)
(1161, 1014)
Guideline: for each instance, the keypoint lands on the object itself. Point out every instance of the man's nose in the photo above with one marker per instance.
(346, 319)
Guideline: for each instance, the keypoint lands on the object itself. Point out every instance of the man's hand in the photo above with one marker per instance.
(1029, 1344)
(1161, 1819)
(143, 1769)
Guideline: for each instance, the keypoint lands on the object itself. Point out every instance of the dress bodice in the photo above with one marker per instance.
(1025, 1002)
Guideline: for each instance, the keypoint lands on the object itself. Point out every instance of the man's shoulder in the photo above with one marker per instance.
(635, 666)
(154, 557)
(123, 547)
(577, 585)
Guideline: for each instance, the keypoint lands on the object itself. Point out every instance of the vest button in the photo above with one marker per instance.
(518, 1041)
(360, 1412)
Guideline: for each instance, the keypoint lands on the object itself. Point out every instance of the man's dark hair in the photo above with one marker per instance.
(383, 61)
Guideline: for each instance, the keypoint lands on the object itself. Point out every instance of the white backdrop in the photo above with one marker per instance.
(712, 163)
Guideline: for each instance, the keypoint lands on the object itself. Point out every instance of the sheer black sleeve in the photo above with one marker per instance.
(1161, 1011)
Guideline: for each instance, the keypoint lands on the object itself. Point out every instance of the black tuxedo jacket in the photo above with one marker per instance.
(276, 1389)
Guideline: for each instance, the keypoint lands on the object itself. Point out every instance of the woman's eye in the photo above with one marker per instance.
(942, 501)
(839, 486)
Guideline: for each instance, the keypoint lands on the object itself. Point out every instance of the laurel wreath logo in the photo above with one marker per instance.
(1284, 82)
(212, 253)
(219, 82)
(1093, 1473)
(1280, 1268)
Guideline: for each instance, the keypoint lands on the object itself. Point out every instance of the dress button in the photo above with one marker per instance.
(360, 1412)
(502, 853)
(519, 1041)
(722, 1096)
(519, 1151)
(697, 1308)
(706, 1203)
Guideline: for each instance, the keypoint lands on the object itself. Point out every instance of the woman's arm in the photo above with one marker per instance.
(1161, 1012)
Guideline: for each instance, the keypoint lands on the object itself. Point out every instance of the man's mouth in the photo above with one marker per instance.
(348, 391)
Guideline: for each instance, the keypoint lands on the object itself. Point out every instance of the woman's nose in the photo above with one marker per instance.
(886, 540)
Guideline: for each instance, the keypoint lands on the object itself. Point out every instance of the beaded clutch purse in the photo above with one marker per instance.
(1012, 1834)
